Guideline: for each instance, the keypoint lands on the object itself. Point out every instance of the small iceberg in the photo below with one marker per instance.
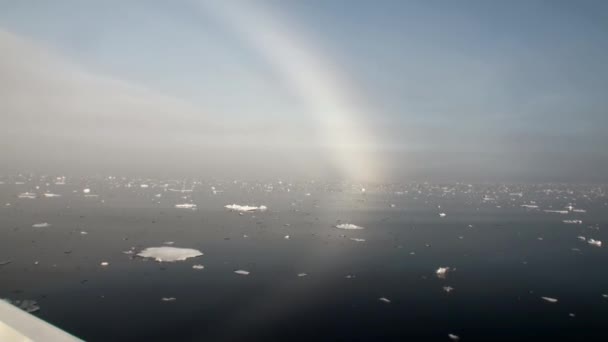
(245, 208)
(41, 225)
(594, 242)
(348, 226)
(241, 272)
(169, 254)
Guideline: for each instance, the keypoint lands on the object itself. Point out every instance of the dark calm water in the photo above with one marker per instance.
(503, 259)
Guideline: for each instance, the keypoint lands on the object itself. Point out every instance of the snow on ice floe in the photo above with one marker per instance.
(241, 272)
(594, 242)
(245, 208)
(348, 226)
(41, 225)
(186, 206)
(169, 254)
(549, 299)
(27, 305)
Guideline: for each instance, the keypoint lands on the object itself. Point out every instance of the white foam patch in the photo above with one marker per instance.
(169, 254)
(245, 208)
(348, 226)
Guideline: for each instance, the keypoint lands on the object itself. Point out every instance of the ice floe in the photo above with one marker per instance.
(198, 267)
(384, 299)
(454, 337)
(245, 208)
(442, 272)
(549, 299)
(168, 299)
(50, 195)
(104, 263)
(442, 214)
(358, 239)
(348, 226)
(594, 242)
(186, 206)
(169, 254)
(241, 272)
(41, 225)
(573, 221)
(29, 195)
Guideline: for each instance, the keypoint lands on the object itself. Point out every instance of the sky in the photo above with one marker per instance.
(475, 91)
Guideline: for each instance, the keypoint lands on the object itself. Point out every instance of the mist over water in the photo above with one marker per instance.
(327, 171)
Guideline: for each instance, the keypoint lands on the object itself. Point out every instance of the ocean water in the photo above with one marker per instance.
(506, 246)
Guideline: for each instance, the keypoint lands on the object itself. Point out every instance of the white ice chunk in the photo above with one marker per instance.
(50, 195)
(556, 211)
(358, 239)
(454, 337)
(441, 214)
(41, 225)
(86, 191)
(573, 221)
(168, 299)
(441, 272)
(348, 226)
(384, 299)
(198, 267)
(302, 274)
(29, 195)
(104, 263)
(594, 242)
(245, 208)
(186, 206)
(169, 254)
(242, 272)
(549, 299)
(582, 238)
(448, 289)
(529, 206)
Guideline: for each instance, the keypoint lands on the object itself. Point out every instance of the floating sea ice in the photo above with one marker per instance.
(144, 186)
(605, 295)
(441, 214)
(302, 274)
(579, 210)
(198, 267)
(448, 289)
(549, 299)
(169, 254)
(454, 337)
(168, 299)
(50, 195)
(573, 221)
(186, 206)
(41, 225)
(358, 239)
(582, 238)
(242, 272)
(350, 276)
(168, 243)
(86, 191)
(286, 237)
(594, 242)
(529, 206)
(441, 272)
(348, 226)
(104, 263)
(245, 208)
(556, 211)
(27, 305)
(383, 299)
(29, 195)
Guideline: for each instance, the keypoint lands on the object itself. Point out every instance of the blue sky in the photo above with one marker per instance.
(487, 89)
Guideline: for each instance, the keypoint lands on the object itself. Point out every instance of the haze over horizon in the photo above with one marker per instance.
(394, 90)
